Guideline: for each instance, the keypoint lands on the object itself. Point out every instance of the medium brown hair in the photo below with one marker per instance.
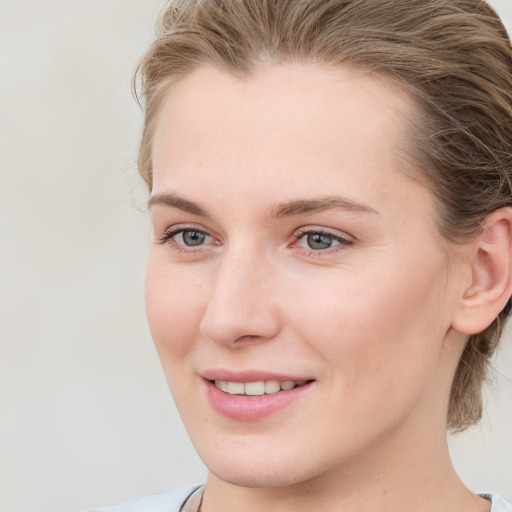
(452, 56)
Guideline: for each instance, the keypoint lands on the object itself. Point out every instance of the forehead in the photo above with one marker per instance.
(283, 100)
(284, 124)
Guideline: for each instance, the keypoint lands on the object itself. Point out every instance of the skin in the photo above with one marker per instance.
(370, 319)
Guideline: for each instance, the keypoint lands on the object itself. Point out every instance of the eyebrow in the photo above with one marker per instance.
(298, 207)
(320, 204)
(176, 201)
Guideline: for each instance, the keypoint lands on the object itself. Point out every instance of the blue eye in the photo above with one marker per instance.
(192, 238)
(186, 237)
(319, 241)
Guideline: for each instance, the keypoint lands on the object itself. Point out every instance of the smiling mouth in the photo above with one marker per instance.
(262, 387)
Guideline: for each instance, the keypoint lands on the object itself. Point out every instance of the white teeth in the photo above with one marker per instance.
(236, 388)
(257, 388)
(222, 384)
(287, 384)
(272, 386)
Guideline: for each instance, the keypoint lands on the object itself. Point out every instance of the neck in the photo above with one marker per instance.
(415, 476)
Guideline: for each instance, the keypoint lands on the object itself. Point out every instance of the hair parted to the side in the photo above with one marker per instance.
(452, 56)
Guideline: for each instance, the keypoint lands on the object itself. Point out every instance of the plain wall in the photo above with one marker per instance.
(86, 418)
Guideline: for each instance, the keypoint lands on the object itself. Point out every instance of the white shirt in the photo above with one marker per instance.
(174, 501)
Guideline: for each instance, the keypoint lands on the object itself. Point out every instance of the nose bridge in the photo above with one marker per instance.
(242, 300)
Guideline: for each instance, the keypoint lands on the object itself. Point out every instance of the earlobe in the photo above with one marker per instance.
(490, 287)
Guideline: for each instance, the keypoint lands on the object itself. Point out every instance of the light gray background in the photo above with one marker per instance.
(86, 417)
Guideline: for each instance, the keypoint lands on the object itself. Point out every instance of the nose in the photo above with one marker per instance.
(242, 305)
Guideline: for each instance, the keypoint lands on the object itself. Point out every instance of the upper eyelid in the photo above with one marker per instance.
(324, 231)
(177, 228)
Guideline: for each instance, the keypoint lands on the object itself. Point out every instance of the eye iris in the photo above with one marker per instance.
(319, 241)
(192, 238)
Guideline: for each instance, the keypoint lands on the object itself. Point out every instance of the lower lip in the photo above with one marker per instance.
(252, 408)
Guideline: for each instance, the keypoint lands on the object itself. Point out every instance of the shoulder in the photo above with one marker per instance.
(165, 502)
(498, 503)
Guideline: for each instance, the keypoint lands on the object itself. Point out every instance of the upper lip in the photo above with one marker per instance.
(248, 375)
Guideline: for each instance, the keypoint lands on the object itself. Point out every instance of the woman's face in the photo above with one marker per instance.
(290, 248)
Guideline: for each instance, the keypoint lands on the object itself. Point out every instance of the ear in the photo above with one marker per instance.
(490, 286)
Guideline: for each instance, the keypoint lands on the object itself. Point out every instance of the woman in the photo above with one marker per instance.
(330, 269)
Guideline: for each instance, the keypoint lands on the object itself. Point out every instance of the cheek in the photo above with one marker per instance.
(377, 330)
(174, 308)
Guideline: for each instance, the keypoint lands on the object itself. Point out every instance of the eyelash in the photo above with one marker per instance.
(300, 234)
(170, 233)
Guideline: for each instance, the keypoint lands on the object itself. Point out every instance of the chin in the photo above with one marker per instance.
(257, 464)
(268, 476)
